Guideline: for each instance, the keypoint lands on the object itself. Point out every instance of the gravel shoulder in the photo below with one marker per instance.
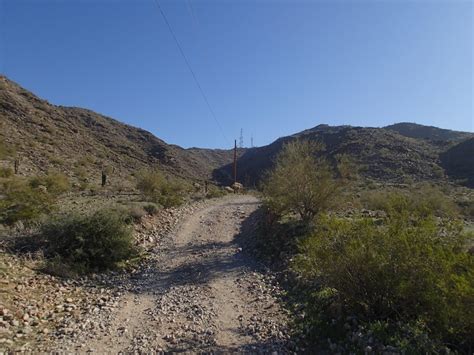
(199, 291)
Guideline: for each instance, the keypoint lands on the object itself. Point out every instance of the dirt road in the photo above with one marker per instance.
(201, 291)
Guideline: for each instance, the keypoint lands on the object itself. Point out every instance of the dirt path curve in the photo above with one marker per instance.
(201, 292)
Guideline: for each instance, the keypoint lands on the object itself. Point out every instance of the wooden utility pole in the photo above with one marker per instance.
(235, 161)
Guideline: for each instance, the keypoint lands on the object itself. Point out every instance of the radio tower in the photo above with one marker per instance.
(241, 139)
(251, 142)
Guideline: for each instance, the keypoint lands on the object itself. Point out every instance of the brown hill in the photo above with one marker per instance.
(414, 130)
(380, 154)
(80, 142)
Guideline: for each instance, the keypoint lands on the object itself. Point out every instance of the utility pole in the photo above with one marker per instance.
(235, 161)
(241, 140)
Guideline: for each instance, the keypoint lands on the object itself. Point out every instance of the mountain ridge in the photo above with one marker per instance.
(80, 142)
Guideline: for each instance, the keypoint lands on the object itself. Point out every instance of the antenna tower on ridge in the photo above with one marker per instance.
(241, 139)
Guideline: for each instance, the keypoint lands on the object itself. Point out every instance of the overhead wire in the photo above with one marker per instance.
(191, 70)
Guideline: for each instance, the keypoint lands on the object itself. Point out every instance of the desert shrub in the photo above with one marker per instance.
(6, 151)
(56, 183)
(6, 172)
(303, 182)
(88, 243)
(215, 191)
(19, 201)
(412, 269)
(156, 187)
(423, 200)
(151, 209)
(135, 213)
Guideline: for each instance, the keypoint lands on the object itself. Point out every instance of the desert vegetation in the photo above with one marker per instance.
(158, 188)
(83, 244)
(400, 278)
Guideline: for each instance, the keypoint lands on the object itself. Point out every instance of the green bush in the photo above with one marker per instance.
(412, 269)
(55, 183)
(21, 202)
(214, 192)
(151, 209)
(159, 189)
(423, 200)
(303, 182)
(6, 172)
(89, 243)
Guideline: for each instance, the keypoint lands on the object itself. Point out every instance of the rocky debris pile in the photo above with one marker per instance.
(153, 228)
(37, 310)
(266, 324)
(185, 317)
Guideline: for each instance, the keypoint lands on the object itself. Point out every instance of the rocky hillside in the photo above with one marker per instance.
(458, 162)
(380, 154)
(80, 142)
(414, 130)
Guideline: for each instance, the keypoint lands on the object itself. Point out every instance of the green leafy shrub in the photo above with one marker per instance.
(89, 243)
(159, 189)
(411, 269)
(19, 201)
(304, 182)
(422, 200)
(56, 183)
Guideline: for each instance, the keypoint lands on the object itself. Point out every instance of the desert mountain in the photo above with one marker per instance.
(80, 142)
(414, 130)
(380, 154)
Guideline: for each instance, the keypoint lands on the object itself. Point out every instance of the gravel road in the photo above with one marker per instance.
(199, 292)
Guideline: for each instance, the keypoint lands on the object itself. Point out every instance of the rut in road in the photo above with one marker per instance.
(201, 292)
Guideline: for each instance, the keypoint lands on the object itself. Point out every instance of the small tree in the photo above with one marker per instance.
(303, 181)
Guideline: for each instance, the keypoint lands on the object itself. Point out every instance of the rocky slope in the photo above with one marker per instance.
(414, 130)
(379, 154)
(81, 142)
(458, 162)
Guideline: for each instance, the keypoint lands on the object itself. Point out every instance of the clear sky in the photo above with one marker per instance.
(272, 68)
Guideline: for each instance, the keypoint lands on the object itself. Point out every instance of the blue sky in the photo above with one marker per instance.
(272, 68)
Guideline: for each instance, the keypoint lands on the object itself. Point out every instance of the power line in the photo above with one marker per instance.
(191, 70)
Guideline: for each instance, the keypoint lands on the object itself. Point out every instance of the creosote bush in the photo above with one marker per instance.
(89, 243)
(424, 199)
(156, 187)
(412, 269)
(151, 209)
(56, 183)
(22, 202)
(303, 181)
(215, 191)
